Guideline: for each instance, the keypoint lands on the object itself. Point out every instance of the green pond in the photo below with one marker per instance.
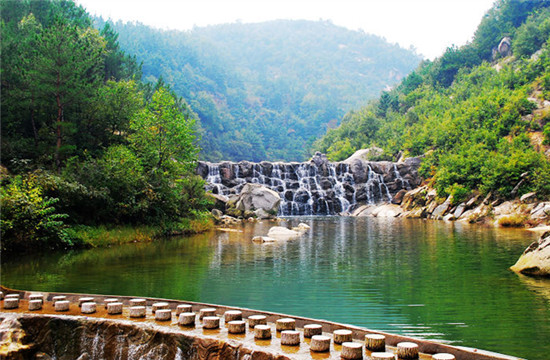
(427, 279)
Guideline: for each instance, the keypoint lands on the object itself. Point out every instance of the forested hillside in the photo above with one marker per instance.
(86, 144)
(266, 91)
(480, 115)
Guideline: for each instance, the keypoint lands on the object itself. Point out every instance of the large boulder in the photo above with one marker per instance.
(535, 260)
(255, 197)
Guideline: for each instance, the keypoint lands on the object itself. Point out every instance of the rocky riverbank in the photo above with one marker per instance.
(422, 202)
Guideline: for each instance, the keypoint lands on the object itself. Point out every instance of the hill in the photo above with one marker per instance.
(265, 91)
(480, 113)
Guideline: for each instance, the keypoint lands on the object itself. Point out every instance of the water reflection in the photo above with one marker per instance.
(427, 279)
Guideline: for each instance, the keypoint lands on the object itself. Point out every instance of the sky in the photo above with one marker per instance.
(430, 26)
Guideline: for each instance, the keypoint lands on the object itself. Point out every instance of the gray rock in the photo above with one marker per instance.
(535, 260)
(442, 209)
(256, 196)
(459, 210)
(528, 198)
(541, 211)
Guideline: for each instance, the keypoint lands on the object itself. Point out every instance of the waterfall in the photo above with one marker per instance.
(317, 187)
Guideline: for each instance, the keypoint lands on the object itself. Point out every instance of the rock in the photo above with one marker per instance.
(541, 211)
(282, 233)
(301, 227)
(365, 154)
(472, 202)
(387, 210)
(398, 198)
(229, 220)
(459, 210)
(220, 201)
(528, 198)
(535, 260)
(263, 239)
(505, 47)
(442, 209)
(256, 196)
(217, 214)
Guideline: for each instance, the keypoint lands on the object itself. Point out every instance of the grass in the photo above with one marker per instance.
(108, 235)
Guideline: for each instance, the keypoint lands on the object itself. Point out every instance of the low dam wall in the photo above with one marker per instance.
(316, 187)
(41, 325)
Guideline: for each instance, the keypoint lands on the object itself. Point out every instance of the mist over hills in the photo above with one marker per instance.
(265, 91)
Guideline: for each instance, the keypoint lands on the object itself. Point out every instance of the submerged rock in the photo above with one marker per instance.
(282, 233)
(535, 260)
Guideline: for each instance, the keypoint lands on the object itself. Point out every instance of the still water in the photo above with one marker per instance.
(427, 279)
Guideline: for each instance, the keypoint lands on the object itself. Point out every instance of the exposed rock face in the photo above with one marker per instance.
(535, 260)
(73, 337)
(316, 187)
(255, 197)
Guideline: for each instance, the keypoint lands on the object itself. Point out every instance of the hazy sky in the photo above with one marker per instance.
(429, 25)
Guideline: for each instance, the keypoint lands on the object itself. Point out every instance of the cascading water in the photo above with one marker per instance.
(317, 187)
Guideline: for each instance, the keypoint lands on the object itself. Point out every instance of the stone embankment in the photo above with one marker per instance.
(85, 327)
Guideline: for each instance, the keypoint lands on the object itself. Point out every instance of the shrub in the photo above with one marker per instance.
(515, 220)
(29, 219)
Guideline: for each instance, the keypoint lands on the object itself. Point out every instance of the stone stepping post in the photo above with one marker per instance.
(352, 351)
(114, 308)
(137, 311)
(187, 319)
(62, 305)
(312, 329)
(108, 301)
(382, 356)
(285, 324)
(341, 336)
(262, 332)
(206, 312)
(290, 337)
(211, 322)
(88, 307)
(236, 327)
(58, 298)
(160, 306)
(320, 343)
(443, 356)
(375, 342)
(35, 305)
(11, 303)
(254, 320)
(83, 300)
(163, 315)
(138, 302)
(36, 297)
(233, 315)
(183, 309)
(407, 350)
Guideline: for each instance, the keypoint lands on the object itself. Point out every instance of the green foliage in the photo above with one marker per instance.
(71, 101)
(262, 91)
(29, 219)
(163, 136)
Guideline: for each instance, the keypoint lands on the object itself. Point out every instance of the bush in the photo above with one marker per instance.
(514, 220)
(29, 219)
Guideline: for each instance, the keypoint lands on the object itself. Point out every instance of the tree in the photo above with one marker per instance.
(67, 68)
(163, 136)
